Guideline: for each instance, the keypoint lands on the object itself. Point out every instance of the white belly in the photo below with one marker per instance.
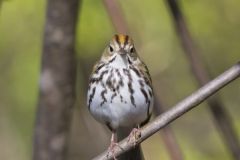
(120, 108)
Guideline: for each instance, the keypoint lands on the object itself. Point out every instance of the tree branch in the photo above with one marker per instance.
(116, 15)
(178, 110)
(168, 136)
(217, 109)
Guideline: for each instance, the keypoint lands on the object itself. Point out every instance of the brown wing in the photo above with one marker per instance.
(146, 75)
(97, 67)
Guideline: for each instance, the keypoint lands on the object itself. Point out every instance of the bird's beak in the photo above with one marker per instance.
(122, 52)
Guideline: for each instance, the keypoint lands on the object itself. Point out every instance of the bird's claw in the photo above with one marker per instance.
(134, 136)
(111, 149)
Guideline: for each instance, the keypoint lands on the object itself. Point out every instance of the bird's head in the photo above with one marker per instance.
(120, 52)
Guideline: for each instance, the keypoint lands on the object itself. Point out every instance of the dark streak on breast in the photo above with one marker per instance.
(147, 99)
(99, 67)
(109, 81)
(103, 96)
(113, 96)
(130, 86)
(98, 79)
(91, 97)
(144, 94)
(120, 77)
(150, 93)
(136, 71)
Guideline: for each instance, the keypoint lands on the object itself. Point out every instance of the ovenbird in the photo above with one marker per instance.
(120, 90)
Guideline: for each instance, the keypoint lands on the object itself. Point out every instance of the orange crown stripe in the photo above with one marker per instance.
(121, 39)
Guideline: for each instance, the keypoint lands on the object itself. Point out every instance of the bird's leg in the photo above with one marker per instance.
(134, 135)
(112, 146)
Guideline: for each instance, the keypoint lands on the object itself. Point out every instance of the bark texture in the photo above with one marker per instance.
(57, 81)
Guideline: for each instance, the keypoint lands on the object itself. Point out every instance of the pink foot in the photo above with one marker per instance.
(111, 149)
(134, 135)
(112, 146)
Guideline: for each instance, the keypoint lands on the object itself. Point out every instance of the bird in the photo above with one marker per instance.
(120, 92)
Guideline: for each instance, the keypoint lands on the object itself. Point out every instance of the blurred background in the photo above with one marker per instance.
(214, 26)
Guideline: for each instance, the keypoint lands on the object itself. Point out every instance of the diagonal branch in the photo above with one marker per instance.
(217, 109)
(179, 109)
(169, 138)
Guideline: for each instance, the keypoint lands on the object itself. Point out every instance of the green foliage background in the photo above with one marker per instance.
(214, 25)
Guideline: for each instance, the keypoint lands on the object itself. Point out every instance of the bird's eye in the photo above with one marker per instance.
(131, 50)
(110, 48)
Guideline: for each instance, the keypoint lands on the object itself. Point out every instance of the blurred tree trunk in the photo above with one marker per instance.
(57, 81)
